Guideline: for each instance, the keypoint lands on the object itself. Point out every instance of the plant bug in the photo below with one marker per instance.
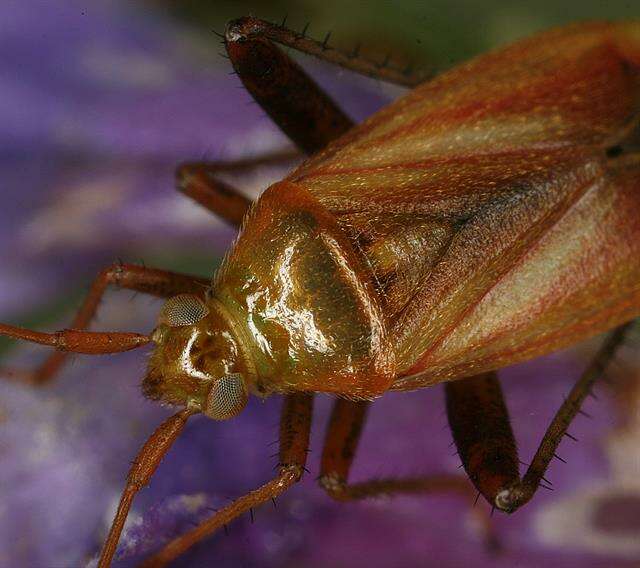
(488, 217)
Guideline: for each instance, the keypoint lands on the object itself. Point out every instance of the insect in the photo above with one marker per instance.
(487, 217)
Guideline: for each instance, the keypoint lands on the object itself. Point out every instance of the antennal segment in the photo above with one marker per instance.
(89, 342)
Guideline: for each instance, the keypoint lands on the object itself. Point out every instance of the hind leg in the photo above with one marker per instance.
(482, 432)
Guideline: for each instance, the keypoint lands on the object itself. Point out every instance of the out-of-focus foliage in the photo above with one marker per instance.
(440, 31)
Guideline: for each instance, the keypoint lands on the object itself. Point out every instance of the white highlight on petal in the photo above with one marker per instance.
(569, 522)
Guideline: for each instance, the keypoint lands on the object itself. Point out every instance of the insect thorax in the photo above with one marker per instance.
(303, 301)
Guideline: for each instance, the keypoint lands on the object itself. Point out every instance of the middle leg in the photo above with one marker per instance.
(345, 427)
(200, 182)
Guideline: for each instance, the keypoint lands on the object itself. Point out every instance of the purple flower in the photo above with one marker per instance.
(98, 102)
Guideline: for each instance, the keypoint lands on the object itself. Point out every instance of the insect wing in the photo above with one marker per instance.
(449, 191)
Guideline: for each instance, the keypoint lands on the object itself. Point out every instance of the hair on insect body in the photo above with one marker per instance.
(487, 217)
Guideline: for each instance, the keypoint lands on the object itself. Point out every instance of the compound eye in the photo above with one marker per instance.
(227, 397)
(183, 309)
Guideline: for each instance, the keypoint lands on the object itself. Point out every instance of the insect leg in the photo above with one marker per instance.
(74, 341)
(151, 281)
(249, 27)
(520, 492)
(140, 473)
(302, 110)
(295, 426)
(345, 427)
(480, 425)
(198, 181)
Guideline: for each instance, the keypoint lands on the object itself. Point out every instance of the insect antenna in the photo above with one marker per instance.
(76, 341)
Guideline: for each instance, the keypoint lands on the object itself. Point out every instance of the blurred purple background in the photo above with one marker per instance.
(98, 102)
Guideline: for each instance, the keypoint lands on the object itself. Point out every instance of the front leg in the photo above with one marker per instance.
(295, 426)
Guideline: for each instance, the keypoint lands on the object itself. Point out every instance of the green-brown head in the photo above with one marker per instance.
(198, 361)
